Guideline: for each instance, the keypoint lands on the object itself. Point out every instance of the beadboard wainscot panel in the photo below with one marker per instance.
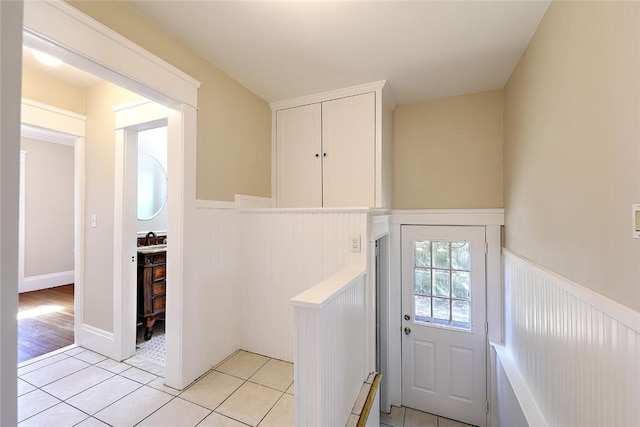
(512, 404)
(330, 349)
(282, 253)
(577, 351)
(217, 263)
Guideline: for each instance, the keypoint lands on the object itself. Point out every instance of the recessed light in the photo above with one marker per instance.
(46, 59)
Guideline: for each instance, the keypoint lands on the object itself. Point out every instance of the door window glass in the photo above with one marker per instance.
(442, 283)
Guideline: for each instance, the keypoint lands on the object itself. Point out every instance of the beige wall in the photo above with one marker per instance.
(234, 125)
(48, 207)
(99, 200)
(39, 86)
(572, 147)
(448, 153)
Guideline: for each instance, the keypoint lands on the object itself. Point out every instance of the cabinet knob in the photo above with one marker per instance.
(324, 154)
(317, 155)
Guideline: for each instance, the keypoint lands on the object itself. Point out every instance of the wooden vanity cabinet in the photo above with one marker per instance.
(152, 268)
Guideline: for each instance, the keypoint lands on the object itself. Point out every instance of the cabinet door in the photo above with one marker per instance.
(348, 138)
(298, 157)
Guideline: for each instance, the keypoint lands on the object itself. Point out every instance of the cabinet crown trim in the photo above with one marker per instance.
(327, 96)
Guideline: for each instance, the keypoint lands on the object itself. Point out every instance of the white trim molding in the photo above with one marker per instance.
(449, 217)
(52, 124)
(49, 117)
(45, 281)
(109, 54)
(98, 340)
(214, 204)
(21, 220)
(513, 403)
(244, 201)
(141, 114)
(492, 220)
(57, 28)
(326, 96)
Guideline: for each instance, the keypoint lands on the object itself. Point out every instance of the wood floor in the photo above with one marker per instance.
(45, 321)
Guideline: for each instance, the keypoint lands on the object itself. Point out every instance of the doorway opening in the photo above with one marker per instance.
(141, 147)
(49, 231)
(58, 29)
(46, 244)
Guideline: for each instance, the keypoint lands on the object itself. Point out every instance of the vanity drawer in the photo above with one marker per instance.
(158, 304)
(159, 288)
(159, 272)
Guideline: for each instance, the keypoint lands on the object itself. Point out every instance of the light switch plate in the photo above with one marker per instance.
(635, 217)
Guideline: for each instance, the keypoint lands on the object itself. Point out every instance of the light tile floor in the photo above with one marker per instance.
(407, 417)
(81, 388)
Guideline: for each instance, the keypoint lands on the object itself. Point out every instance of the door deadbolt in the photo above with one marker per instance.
(407, 317)
(407, 331)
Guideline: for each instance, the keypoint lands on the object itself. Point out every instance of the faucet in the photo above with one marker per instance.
(146, 239)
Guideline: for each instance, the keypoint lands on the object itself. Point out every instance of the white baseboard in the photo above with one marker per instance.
(45, 281)
(98, 340)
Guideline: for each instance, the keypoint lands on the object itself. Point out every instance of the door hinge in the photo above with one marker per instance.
(486, 328)
(487, 407)
(486, 248)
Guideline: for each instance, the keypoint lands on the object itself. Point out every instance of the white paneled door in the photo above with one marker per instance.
(444, 311)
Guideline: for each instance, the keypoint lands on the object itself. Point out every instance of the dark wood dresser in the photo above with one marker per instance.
(152, 269)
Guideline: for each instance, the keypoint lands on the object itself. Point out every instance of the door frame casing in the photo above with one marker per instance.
(492, 220)
(57, 124)
(59, 29)
(468, 406)
(130, 119)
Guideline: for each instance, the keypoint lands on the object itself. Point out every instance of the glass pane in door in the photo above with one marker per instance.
(442, 283)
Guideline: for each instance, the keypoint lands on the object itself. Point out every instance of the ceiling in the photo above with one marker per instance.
(286, 49)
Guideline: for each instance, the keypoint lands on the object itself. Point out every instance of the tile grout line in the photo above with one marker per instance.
(140, 385)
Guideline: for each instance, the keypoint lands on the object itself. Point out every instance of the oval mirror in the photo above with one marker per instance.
(152, 187)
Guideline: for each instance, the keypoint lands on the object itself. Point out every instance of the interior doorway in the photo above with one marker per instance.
(46, 245)
(141, 190)
(60, 30)
(51, 168)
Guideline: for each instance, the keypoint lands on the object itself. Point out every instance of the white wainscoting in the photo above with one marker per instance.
(253, 262)
(577, 351)
(512, 403)
(280, 254)
(217, 262)
(330, 349)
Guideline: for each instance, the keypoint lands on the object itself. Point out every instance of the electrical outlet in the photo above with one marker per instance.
(354, 243)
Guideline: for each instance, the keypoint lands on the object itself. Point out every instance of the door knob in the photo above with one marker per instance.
(407, 317)
(407, 331)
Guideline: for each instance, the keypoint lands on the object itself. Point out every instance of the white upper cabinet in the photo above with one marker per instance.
(348, 145)
(331, 149)
(299, 142)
